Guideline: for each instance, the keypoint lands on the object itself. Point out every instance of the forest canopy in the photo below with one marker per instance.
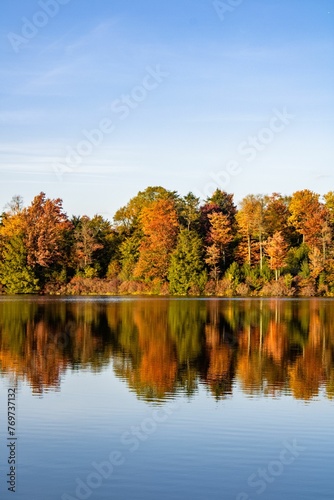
(163, 243)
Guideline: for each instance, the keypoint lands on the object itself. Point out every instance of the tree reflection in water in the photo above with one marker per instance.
(161, 347)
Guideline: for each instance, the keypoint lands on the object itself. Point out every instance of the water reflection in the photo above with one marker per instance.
(160, 347)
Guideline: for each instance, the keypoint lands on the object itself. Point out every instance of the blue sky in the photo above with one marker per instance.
(101, 99)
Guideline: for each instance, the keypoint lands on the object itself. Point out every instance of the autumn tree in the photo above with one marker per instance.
(218, 202)
(159, 223)
(204, 223)
(259, 205)
(128, 226)
(307, 215)
(250, 218)
(220, 236)
(316, 262)
(127, 218)
(276, 217)
(225, 203)
(12, 221)
(329, 204)
(46, 227)
(276, 248)
(16, 275)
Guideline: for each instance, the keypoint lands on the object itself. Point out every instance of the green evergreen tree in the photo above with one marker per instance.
(129, 251)
(188, 210)
(15, 275)
(186, 271)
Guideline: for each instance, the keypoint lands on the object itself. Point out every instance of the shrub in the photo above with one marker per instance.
(279, 288)
(243, 290)
(90, 286)
(224, 288)
(306, 287)
(210, 288)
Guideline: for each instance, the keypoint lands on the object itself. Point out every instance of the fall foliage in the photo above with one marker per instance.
(163, 243)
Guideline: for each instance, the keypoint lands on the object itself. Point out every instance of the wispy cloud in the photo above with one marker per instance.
(102, 31)
(22, 117)
(226, 117)
(38, 157)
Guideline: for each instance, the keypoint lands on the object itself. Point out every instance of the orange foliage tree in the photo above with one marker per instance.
(160, 227)
(276, 248)
(45, 230)
(220, 235)
(250, 220)
(307, 215)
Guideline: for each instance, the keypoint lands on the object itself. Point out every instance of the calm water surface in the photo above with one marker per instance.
(147, 399)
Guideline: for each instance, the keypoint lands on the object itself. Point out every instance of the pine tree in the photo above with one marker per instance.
(15, 274)
(188, 208)
(129, 254)
(186, 271)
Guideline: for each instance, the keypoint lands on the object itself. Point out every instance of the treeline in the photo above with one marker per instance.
(163, 243)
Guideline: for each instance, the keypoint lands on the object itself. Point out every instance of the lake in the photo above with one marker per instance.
(152, 398)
